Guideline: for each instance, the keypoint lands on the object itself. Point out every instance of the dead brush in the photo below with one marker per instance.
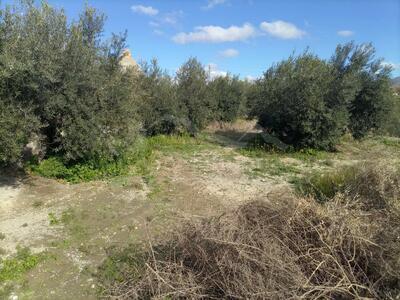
(283, 249)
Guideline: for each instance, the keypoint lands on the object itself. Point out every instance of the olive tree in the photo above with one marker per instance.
(293, 103)
(192, 94)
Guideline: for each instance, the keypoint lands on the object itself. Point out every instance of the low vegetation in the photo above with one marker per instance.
(12, 269)
(278, 248)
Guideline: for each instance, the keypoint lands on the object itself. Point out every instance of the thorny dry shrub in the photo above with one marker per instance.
(276, 249)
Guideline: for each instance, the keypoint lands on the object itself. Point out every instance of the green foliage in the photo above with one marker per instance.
(53, 219)
(138, 159)
(120, 263)
(13, 268)
(307, 102)
(83, 99)
(324, 186)
(159, 110)
(192, 94)
(293, 103)
(391, 124)
(16, 127)
(372, 103)
(226, 94)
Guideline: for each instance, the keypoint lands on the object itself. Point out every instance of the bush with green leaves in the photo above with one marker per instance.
(226, 94)
(391, 124)
(70, 79)
(293, 103)
(16, 127)
(309, 102)
(159, 110)
(192, 94)
(362, 83)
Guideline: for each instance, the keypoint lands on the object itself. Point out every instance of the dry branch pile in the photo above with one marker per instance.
(282, 249)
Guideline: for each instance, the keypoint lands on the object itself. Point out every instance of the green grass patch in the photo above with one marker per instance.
(324, 186)
(272, 166)
(12, 269)
(121, 263)
(391, 142)
(53, 220)
(139, 160)
(178, 143)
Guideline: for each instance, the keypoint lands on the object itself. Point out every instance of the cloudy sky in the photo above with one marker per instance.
(246, 36)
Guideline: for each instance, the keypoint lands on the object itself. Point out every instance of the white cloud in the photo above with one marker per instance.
(282, 29)
(229, 53)
(146, 10)
(171, 18)
(394, 66)
(158, 32)
(345, 33)
(154, 24)
(212, 3)
(216, 34)
(214, 72)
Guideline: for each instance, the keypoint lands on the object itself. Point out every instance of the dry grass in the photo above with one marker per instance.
(279, 249)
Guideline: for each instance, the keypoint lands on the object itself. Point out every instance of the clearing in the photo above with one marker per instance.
(71, 228)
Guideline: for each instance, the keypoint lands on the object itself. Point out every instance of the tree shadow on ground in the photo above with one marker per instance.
(12, 178)
(233, 138)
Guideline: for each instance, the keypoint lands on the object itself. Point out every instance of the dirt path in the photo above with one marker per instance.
(77, 224)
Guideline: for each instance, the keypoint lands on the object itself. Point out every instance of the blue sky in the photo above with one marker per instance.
(247, 36)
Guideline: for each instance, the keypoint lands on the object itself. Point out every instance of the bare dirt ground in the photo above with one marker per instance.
(77, 224)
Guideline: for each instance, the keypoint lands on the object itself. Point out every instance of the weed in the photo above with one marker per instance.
(391, 142)
(2, 236)
(178, 143)
(13, 268)
(37, 203)
(121, 262)
(324, 186)
(272, 166)
(67, 216)
(138, 159)
(53, 219)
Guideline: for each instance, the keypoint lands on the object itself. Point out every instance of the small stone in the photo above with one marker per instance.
(13, 297)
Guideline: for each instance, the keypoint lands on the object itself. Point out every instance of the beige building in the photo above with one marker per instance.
(127, 60)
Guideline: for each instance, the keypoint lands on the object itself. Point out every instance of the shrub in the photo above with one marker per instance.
(371, 186)
(16, 127)
(84, 101)
(137, 159)
(308, 102)
(192, 94)
(159, 110)
(226, 94)
(324, 186)
(293, 103)
(391, 125)
(372, 103)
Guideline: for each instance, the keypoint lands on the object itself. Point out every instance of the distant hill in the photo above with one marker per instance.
(396, 80)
